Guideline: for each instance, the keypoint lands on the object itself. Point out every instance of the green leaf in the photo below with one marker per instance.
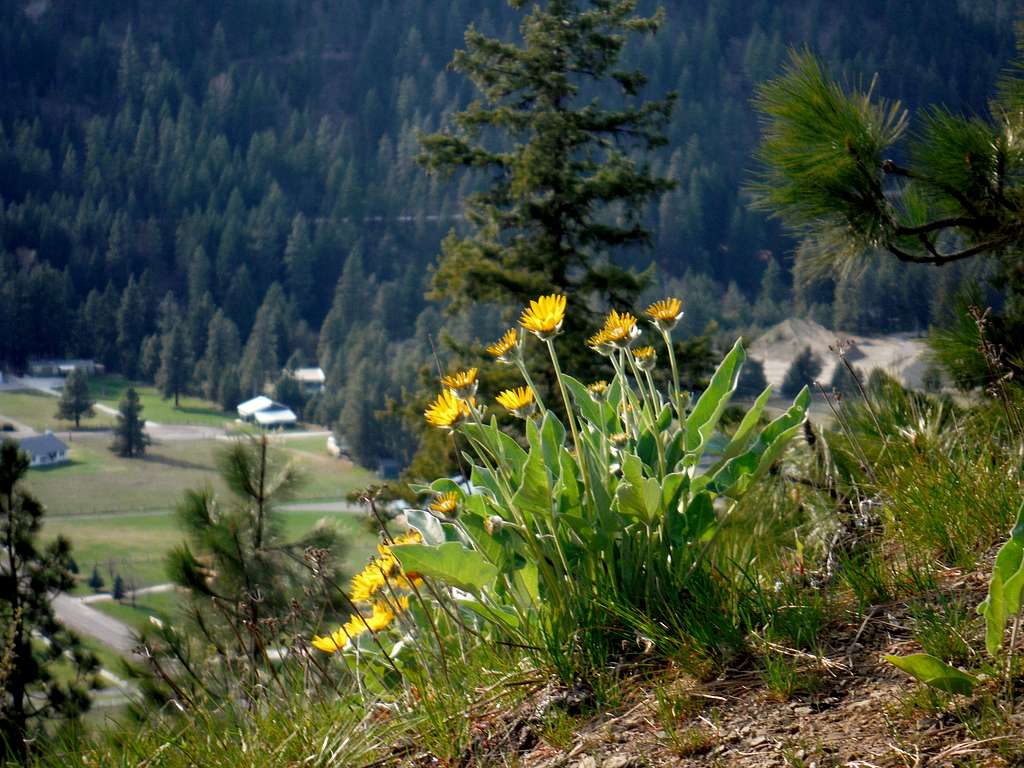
(451, 563)
(1004, 588)
(741, 439)
(428, 525)
(705, 414)
(934, 672)
(736, 475)
(552, 439)
(533, 496)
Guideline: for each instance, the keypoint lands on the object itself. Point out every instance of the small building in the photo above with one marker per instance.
(310, 380)
(250, 408)
(62, 367)
(44, 449)
(265, 412)
(276, 417)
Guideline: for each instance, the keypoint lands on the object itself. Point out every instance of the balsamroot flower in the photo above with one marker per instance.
(544, 316)
(505, 348)
(518, 401)
(368, 586)
(601, 344)
(462, 384)
(383, 614)
(446, 505)
(447, 411)
(665, 313)
(645, 357)
(598, 390)
(620, 329)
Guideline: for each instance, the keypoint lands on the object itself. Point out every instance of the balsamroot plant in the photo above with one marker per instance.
(596, 533)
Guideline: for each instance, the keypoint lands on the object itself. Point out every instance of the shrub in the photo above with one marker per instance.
(594, 538)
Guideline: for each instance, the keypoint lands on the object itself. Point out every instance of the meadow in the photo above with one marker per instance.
(38, 411)
(97, 481)
(135, 545)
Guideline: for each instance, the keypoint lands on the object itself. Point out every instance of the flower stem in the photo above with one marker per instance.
(675, 393)
(529, 382)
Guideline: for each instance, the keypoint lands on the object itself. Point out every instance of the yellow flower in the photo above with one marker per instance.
(381, 618)
(666, 313)
(519, 401)
(445, 505)
(503, 348)
(598, 390)
(462, 384)
(544, 316)
(645, 357)
(447, 411)
(372, 578)
(412, 536)
(600, 343)
(620, 329)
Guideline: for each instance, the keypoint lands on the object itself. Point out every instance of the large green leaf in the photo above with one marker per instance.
(934, 672)
(737, 474)
(502, 447)
(451, 563)
(533, 496)
(745, 432)
(709, 408)
(552, 439)
(428, 525)
(1004, 588)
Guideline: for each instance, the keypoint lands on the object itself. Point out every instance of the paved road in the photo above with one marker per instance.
(106, 596)
(80, 618)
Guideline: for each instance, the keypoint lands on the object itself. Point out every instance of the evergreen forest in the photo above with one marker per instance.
(234, 185)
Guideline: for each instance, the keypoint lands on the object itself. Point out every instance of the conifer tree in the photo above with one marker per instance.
(236, 566)
(130, 438)
(131, 328)
(801, 373)
(29, 577)
(75, 399)
(541, 223)
(223, 350)
(175, 371)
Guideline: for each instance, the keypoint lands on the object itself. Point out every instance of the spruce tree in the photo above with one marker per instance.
(556, 162)
(131, 329)
(29, 578)
(75, 399)
(130, 438)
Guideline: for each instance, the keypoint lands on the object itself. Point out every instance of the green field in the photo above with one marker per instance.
(135, 545)
(109, 389)
(96, 480)
(38, 410)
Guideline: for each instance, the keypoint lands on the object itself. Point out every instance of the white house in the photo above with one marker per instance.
(310, 379)
(265, 412)
(44, 449)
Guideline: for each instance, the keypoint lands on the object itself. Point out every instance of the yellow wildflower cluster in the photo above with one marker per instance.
(384, 587)
(446, 504)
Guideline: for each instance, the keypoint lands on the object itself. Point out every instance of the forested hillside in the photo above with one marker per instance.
(242, 174)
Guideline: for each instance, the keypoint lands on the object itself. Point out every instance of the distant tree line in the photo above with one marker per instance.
(204, 195)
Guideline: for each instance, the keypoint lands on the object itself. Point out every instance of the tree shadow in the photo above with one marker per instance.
(167, 461)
